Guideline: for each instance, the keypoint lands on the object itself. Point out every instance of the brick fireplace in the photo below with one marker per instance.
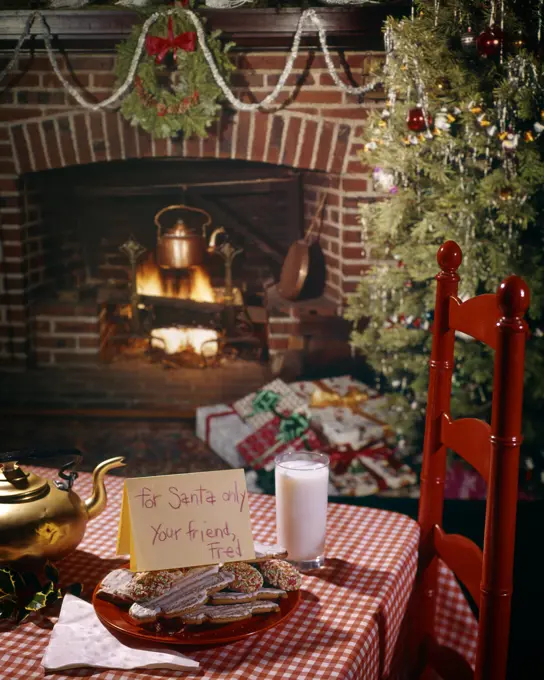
(314, 131)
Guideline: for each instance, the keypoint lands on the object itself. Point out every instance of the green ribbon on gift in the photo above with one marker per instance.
(292, 427)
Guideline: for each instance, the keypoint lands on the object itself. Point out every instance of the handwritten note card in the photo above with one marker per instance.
(185, 520)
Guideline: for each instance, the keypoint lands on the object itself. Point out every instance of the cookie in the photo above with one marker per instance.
(281, 574)
(228, 613)
(232, 598)
(270, 594)
(148, 584)
(247, 579)
(190, 592)
(115, 586)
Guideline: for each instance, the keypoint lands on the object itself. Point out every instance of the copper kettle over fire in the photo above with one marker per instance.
(181, 247)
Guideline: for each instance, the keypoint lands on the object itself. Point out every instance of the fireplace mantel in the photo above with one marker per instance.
(251, 29)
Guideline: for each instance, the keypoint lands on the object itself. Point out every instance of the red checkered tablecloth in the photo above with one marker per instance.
(345, 627)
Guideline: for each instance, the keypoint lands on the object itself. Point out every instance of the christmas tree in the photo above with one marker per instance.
(456, 153)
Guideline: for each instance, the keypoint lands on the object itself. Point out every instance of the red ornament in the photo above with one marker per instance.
(416, 120)
(490, 42)
(155, 45)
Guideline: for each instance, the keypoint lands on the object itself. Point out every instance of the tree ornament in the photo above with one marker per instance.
(519, 42)
(416, 121)
(384, 180)
(490, 42)
(468, 41)
(510, 142)
(506, 194)
(443, 120)
(442, 86)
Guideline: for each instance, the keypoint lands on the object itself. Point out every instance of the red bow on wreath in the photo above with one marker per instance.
(155, 45)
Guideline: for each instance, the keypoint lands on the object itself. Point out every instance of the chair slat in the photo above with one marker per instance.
(476, 317)
(463, 557)
(470, 438)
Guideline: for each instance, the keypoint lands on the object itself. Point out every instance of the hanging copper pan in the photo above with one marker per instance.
(302, 273)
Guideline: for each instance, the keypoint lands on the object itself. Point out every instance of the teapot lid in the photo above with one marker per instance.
(16, 485)
(180, 229)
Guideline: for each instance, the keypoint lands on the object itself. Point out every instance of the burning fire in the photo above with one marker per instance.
(172, 340)
(196, 286)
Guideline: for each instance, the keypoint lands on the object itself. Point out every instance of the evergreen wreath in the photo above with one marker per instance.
(174, 89)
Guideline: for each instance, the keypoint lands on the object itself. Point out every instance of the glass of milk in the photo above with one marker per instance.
(302, 480)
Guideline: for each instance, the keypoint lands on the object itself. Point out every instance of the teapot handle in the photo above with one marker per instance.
(68, 477)
(189, 208)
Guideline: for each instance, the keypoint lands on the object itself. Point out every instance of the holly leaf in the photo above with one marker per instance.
(7, 583)
(40, 599)
(31, 582)
(75, 589)
(7, 609)
(52, 572)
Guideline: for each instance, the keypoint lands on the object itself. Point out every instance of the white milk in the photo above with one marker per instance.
(301, 508)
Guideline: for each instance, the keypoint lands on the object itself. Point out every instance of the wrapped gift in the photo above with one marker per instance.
(389, 472)
(275, 436)
(371, 470)
(273, 400)
(222, 428)
(345, 410)
(341, 385)
(355, 481)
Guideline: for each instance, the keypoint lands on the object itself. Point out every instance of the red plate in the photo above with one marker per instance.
(116, 618)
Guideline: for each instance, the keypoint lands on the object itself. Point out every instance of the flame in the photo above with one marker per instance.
(197, 287)
(201, 340)
(201, 287)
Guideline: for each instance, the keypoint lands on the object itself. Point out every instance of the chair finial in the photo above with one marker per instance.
(513, 297)
(449, 257)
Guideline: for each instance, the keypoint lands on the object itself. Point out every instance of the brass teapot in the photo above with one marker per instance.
(40, 519)
(180, 247)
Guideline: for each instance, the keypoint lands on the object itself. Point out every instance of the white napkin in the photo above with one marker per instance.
(80, 639)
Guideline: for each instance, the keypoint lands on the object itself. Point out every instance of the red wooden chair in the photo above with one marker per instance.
(493, 450)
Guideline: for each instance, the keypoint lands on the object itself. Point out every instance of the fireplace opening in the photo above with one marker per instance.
(105, 228)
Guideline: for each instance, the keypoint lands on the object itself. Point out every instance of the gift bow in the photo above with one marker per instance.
(322, 398)
(158, 46)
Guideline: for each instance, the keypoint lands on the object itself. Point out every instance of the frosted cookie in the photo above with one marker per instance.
(232, 598)
(191, 591)
(270, 594)
(115, 586)
(247, 579)
(281, 574)
(228, 613)
(148, 584)
(268, 552)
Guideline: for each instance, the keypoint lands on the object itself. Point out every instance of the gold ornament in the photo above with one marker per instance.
(382, 123)
(529, 137)
(506, 194)
(476, 109)
(503, 136)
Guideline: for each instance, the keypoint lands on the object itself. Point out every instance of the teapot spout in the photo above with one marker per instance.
(97, 502)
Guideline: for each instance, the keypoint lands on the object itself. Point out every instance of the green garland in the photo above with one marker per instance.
(178, 94)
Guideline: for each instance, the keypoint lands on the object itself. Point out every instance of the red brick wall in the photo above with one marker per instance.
(313, 126)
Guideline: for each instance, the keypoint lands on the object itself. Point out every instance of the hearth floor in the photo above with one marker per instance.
(131, 385)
